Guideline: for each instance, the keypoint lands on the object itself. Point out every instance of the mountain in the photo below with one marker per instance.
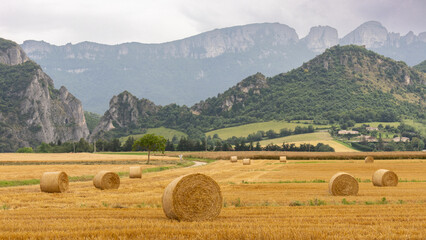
(202, 65)
(344, 83)
(31, 109)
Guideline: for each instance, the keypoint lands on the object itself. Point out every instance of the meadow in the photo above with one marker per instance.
(264, 200)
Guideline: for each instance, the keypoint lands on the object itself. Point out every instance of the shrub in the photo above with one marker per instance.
(25, 150)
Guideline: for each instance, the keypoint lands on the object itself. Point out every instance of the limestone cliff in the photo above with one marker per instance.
(321, 38)
(31, 109)
(124, 111)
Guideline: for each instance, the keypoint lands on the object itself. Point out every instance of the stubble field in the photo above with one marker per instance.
(264, 200)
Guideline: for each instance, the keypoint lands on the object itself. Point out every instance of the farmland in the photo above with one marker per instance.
(264, 200)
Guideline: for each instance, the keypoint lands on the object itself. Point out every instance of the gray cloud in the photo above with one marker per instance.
(112, 22)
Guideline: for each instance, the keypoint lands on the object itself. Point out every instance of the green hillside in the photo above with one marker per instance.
(421, 66)
(246, 129)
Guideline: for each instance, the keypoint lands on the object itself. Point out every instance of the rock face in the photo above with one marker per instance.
(32, 110)
(371, 34)
(321, 38)
(125, 110)
(11, 54)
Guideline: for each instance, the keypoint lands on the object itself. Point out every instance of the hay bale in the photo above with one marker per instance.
(54, 182)
(106, 180)
(283, 159)
(135, 172)
(343, 184)
(369, 159)
(192, 197)
(234, 158)
(246, 161)
(385, 178)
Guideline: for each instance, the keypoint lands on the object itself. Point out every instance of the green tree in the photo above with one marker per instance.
(150, 142)
(25, 150)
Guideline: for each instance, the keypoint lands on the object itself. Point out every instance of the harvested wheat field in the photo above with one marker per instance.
(264, 200)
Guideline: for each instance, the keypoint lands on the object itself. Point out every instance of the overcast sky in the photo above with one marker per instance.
(118, 21)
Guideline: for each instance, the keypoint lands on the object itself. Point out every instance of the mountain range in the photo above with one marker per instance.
(195, 68)
(345, 83)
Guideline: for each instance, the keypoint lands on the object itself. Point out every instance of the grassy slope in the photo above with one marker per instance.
(376, 124)
(419, 126)
(167, 133)
(245, 130)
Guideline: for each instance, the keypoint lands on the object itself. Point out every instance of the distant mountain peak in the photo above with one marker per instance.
(371, 34)
(321, 38)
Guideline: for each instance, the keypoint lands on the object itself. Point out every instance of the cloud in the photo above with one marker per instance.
(112, 22)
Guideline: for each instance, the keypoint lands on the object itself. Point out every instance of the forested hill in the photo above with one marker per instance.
(421, 66)
(344, 83)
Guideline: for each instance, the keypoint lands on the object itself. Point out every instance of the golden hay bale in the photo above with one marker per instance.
(384, 178)
(369, 159)
(106, 180)
(54, 182)
(343, 184)
(234, 158)
(135, 172)
(283, 159)
(192, 197)
(246, 161)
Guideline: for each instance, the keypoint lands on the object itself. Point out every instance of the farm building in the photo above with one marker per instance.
(370, 129)
(346, 132)
(401, 139)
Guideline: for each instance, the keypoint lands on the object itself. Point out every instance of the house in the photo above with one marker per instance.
(366, 138)
(370, 129)
(346, 132)
(401, 139)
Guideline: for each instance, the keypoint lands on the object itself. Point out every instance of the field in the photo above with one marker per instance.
(264, 200)
(245, 130)
(312, 138)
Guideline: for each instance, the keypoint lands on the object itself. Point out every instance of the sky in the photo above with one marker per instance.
(117, 21)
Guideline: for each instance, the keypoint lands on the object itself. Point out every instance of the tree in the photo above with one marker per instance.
(150, 142)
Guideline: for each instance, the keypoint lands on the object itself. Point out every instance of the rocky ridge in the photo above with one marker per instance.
(32, 110)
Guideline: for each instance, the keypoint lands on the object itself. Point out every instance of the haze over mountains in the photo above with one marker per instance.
(192, 69)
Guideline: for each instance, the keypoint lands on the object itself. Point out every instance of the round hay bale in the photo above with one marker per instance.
(343, 184)
(369, 159)
(234, 158)
(246, 161)
(135, 172)
(192, 197)
(106, 180)
(385, 178)
(283, 159)
(54, 182)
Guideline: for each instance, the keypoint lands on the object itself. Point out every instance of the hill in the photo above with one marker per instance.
(421, 66)
(205, 64)
(31, 109)
(345, 83)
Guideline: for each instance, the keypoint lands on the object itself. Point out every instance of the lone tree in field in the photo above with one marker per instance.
(150, 142)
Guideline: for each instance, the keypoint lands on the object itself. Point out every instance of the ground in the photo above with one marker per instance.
(264, 200)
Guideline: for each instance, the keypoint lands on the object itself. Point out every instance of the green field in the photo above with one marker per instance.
(245, 130)
(167, 133)
(419, 126)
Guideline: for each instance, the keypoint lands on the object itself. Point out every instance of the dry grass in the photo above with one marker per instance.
(256, 204)
(78, 157)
